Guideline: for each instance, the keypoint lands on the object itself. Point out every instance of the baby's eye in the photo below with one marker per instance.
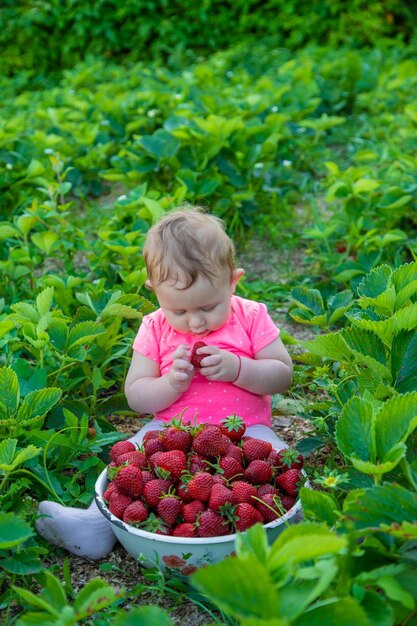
(208, 308)
(178, 312)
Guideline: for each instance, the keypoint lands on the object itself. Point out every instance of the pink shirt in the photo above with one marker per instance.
(248, 330)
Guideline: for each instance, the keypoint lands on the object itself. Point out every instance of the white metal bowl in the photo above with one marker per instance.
(152, 548)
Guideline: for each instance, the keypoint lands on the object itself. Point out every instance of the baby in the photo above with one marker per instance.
(191, 267)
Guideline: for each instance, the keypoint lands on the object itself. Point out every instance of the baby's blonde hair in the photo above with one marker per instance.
(186, 244)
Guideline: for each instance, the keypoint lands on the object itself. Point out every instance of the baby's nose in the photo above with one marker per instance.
(195, 321)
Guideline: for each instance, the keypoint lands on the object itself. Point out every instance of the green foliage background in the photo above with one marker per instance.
(45, 36)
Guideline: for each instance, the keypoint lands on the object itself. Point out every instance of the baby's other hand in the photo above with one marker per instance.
(182, 372)
(219, 365)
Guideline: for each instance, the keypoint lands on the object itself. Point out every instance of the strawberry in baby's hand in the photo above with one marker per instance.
(197, 358)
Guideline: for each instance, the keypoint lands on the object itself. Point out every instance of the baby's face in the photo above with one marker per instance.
(201, 308)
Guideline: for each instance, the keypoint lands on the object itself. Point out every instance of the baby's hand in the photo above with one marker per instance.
(182, 372)
(219, 365)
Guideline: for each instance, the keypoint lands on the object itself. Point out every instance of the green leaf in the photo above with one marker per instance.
(379, 612)
(84, 332)
(22, 564)
(395, 421)
(331, 346)
(94, 597)
(9, 389)
(13, 531)
(404, 361)
(54, 592)
(7, 451)
(382, 506)
(308, 299)
(319, 506)
(24, 455)
(407, 531)
(241, 587)
(305, 586)
(36, 601)
(394, 591)
(301, 549)
(375, 283)
(45, 241)
(161, 145)
(38, 403)
(341, 611)
(58, 334)
(44, 301)
(120, 310)
(405, 319)
(365, 185)
(35, 168)
(7, 231)
(254, 542)
(25, 223)
(355, 430)
(26, 311)
(367, 349)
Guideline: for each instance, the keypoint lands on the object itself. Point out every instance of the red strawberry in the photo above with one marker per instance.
(288, 482)
(234, 427)
(110, 488)
(153, 459)
(212, 524)
(264, 489)
(121, 447)
(231, 468)
(171, 464)
(197, 464)
(174, 438)
(147, 476)
(197, 358)
(209, 441)
(226, 444)
(137, 457)
(129, 481)
(169, 508)
(219, 479)
(118, 503)
(182, 491)
(220, 495)
(200, 486)
(258, 472)
(289, 459)
(153, 490)
(247, 516)
(151, 434)
(256, 449)
(135, 513)
(192, 510)
(269, 508)
(287, 502)
(235, 452)
(243, 491)
(184, 530)
(153, 445)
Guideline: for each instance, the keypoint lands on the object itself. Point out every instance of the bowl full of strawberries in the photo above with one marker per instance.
(184, 493)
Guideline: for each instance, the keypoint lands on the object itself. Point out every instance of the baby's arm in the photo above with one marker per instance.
(270, 371)
(147, 391)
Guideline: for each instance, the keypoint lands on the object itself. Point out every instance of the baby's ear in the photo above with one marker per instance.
(148, 285)
(236, 276)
